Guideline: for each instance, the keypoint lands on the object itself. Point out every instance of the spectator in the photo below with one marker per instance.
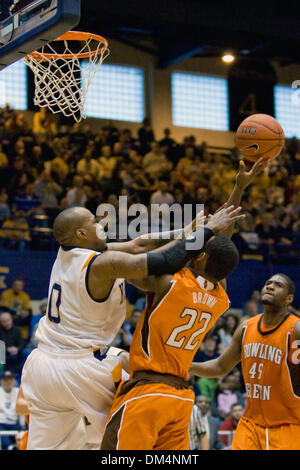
(107, 161)
(206, 352)
(247, 239)
(12, 337)
(186, 161)
(210, 423)
(230, 424)
(27, 202)
(228, 396)
(146, 134)
(9, 420)
(61, 164)
(48, 191)
(36, 318)
(76, 195)
(15, 233)
(251, 309)
(18, 441)
(124, 338)
(89, 166)
(197, 431)
(265, 229)
(43, 122)
(155, 162)
(3, 158)
(162, 196)
(18, 302)
(256, 296)
(169, 143)
(226, 333)
(4, 207)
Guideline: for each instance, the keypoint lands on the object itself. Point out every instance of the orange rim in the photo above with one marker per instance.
(72, 36)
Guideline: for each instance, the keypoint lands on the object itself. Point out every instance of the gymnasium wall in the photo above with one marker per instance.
(158, 91)
(35, 268)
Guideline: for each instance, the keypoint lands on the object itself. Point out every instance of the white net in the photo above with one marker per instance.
(60, 83)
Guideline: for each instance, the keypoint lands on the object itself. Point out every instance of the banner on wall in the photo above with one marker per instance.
(35, 268)
(250, 89)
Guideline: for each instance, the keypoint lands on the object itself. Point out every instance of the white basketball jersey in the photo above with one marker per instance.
(74, 320)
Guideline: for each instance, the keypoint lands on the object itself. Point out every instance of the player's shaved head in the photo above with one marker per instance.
(67, 222)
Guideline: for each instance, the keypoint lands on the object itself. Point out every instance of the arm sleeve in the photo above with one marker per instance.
(176, 257)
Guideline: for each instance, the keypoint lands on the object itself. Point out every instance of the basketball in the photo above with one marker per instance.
(260, 135)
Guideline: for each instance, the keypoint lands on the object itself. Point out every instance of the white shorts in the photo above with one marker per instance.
(63, 387)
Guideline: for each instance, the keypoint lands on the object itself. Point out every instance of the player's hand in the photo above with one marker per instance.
(196, 223)
(244, 178)
(222, 219)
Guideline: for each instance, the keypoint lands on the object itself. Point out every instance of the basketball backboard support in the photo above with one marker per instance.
(26, 25)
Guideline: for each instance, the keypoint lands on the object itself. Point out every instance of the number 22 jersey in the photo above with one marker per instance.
(168, 335)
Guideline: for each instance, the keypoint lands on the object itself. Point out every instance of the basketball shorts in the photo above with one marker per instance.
(62, 387)
(251, 436)
(153, 416)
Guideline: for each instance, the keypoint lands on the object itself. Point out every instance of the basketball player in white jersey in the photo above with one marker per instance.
(72, 373)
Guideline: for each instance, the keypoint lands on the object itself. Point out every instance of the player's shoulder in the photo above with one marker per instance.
(247, 322)
(73, 252)
(190, 276)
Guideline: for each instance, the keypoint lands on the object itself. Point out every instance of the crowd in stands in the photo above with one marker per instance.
(219, 402)
(50, 167)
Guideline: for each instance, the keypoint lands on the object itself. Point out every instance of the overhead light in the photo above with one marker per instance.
(228, 57)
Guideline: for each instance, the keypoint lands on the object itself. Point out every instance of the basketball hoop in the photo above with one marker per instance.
(61, 81)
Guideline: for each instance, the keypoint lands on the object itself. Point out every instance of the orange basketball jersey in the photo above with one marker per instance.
(168, 336)
(270, 366)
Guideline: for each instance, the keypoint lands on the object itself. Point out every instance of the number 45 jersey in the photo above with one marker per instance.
(168, 335)
(75, 320)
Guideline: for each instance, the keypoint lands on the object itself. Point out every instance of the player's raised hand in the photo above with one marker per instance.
(244, 178)
(223, 219)
(196, 223)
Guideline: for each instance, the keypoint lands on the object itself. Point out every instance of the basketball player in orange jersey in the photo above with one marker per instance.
(267, 347)
(152, 410)
(86, 308)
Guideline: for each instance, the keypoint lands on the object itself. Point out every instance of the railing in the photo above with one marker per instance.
(7, 433)
(230, 435)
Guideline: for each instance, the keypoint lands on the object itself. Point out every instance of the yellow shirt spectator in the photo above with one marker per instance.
(59, 165)
(19, 229)
(15, 301)
(3, 160)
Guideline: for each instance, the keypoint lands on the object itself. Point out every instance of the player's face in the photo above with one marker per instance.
(203, 403)
(275, 292)
(95, 233)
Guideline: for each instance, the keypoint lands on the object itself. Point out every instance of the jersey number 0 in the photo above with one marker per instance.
(54, 303)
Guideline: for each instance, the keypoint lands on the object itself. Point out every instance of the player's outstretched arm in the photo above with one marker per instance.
(113, 264)
(153, 241)
(242, 181)
(221, 366)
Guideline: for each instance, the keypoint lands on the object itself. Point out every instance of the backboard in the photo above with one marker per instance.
(26, 25)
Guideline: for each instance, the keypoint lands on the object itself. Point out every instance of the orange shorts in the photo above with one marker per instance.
(24, 441)
(251, 436)
(152, 416)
